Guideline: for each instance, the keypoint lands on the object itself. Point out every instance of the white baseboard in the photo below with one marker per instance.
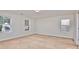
(16, 36)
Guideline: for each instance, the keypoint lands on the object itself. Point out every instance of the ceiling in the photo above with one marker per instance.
(40, 14)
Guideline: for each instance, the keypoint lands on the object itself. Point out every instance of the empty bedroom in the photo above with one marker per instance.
(38, 29)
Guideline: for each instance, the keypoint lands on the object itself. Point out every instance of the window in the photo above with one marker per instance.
(65, 25)
(3, 20)
(26, 25)
(65, 22)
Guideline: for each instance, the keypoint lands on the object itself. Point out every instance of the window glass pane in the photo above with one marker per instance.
(0, 27)
(1, 22)
(65, 22)
(4, 20)
(26, 22)
(1, 18)
(7, 21)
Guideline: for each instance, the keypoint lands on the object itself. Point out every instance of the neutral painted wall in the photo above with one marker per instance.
(17, 23)
(78, 26)
(46, 26)
(78, 29)
(76, 34)
(51, 26)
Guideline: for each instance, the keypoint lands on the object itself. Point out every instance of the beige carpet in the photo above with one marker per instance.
(38, 42)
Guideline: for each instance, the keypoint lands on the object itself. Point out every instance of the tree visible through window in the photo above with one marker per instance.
(4, 20)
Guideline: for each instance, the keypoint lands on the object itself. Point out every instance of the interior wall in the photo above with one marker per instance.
(78, 28)
(46, 26)
(51, 26)
(17, 24)
(76, 34)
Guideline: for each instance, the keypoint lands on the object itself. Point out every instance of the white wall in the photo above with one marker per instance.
(17, 23)
(51, 26)
(78, 29)
(46, 26)
(78, 25)
(76, 34)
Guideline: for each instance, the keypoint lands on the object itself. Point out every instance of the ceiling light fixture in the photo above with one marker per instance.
(36, 10)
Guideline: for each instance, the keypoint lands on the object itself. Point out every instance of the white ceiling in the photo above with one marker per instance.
(40, 14)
